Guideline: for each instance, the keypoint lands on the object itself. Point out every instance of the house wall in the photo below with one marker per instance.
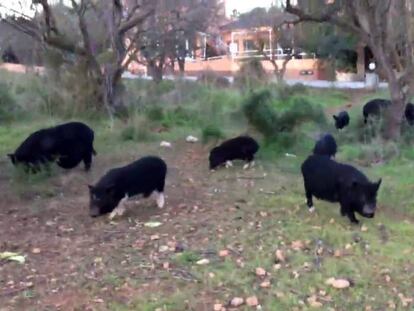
(229, 67)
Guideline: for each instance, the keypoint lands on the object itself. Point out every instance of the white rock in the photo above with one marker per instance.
(236, 302)
(191, 139)
(202, 262)
(165, 144)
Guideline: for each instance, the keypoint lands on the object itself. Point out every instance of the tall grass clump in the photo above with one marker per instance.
(211, 78)
(284, 91)
(211, 133)
(137, 128)
(8, 106)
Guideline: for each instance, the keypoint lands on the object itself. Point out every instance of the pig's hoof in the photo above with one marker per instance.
(312, 209)
(160, 200)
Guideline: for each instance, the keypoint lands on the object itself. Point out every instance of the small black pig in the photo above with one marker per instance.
(142, 177)
(239, 148)
(68, 144)
(374, 108)
(409, 113)
(341, 120)
(326, 145)
(336, 182)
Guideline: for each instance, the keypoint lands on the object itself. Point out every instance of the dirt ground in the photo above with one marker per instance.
(74, 262)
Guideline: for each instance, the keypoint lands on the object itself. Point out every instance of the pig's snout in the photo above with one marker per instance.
(94, 212)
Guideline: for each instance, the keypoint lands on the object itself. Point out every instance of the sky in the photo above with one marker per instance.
(18, 5)
(243, 6)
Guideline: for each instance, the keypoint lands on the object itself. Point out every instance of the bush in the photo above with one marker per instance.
(7, 103)
(211, 132)
(299, 112)
(259, 109)
(251, 75)
(260, 114)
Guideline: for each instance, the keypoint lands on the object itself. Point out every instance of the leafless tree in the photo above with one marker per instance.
(171, 33)
(117, 20)
(279, 70)
(386, 27)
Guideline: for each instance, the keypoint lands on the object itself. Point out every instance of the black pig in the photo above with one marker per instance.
(336, 182)
(341, 120)
(409, 113)
(374, 108)
(326, 145)
(68, 144)
(142, 177)
(239, 148)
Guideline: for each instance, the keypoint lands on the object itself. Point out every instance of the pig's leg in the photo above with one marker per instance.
(309, 201)
(352, 218)
(87, 160)
(229, 164)
(120, 209)
(159, 198)
(250, 163)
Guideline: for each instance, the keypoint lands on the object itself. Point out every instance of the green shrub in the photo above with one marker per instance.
(260, 114)
(211, 132)
(299, 112)
(281, 127)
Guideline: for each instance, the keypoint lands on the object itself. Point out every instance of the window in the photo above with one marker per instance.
(249, 45)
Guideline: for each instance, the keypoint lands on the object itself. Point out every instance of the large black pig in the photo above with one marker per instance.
(142, 177)
(68, 144)
(336, 182)
(375, 107)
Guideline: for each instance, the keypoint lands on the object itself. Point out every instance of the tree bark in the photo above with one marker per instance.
(181, 65)
(155, 71)
(394, 115)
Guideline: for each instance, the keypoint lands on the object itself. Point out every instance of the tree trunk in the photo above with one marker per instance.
(155, 72)
(395, 114)
(181, 65)
(112, 92)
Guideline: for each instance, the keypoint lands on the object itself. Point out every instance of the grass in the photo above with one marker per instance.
(252, 218)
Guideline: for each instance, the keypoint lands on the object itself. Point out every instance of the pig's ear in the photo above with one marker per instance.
(378, 184)
(12, 157)
(90, 187)
(335, 117)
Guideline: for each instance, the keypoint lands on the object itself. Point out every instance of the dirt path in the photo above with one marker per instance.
(67, 251)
